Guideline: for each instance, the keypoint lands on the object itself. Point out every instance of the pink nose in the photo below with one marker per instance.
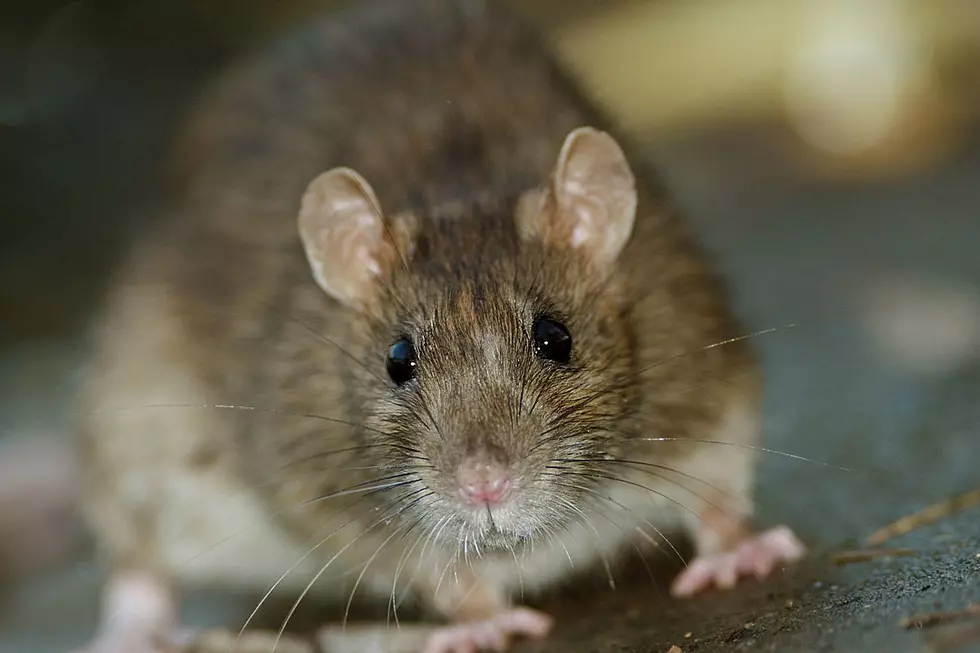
(482, 483)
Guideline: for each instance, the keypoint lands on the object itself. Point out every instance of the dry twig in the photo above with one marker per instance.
(924, 517)
(864, 555)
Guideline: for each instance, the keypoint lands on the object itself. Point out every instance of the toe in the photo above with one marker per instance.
(493, 634)
(757, 561)
(451, 639)
(693, 579)
(785, 542)
(726, 571)
(491, 638)
(525, 621)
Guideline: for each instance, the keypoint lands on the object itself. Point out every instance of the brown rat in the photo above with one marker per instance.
(455, 364)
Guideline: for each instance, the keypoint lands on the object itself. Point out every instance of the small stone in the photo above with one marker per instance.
(675, 649)
(749, 625)
(688, 635)
(790, 604)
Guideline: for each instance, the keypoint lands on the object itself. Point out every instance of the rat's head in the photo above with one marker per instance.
(498, 342)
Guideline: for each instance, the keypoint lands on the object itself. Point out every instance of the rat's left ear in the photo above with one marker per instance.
(591, 202)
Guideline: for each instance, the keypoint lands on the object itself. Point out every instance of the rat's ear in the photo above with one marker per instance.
(344, 235)
(591, 203)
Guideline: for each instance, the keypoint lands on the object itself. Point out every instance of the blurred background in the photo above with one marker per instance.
(827, 152)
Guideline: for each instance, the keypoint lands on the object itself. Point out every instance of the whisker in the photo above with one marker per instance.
(554, 538)
(365, 486)
(715, 345)
(628, 510)
(391, 294)
(332, 452)
(750, 447)
(418, 566)
(450, 562)
(243, 407)
(374, 555)
(597, 474)
(697, 495)
(425, 407)
(588, 524)
(533, 282)
(393, 466)
(435, 538)
(247, 492)
(383, 519)
(296, 564)
(520, 574)
(473, 587)
(342, 350)
(394, 243)
(720, 343)
(647, 537)
(635, 484)
(392, 606)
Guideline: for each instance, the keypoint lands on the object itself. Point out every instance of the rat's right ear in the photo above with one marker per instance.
(344, 235)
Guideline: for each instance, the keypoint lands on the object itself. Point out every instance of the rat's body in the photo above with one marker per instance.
(484, 441)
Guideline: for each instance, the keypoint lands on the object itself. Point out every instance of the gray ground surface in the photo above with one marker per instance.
(905, 420)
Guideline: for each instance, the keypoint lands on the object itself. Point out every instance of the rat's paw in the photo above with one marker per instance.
(129, 641)
(757, 556)
(493, 634)
(259, 641)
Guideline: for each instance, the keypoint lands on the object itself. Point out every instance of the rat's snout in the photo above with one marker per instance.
(483, 481)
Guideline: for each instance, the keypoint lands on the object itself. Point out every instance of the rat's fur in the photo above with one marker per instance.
(451, 125)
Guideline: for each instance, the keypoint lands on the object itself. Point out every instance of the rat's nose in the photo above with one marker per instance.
(483, 483)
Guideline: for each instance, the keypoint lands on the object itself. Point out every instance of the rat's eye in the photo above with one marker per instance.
(401, 361)
(552, 340)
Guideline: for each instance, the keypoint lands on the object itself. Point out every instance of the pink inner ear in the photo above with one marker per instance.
(362, 256)
(588, 212)
(351, 262)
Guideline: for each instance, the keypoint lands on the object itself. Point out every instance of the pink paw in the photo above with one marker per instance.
(491, 634)
(128, 642)
(757, 556)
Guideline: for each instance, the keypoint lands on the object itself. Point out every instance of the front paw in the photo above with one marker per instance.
(258, 641)
(130, 641)
(493, 634)
(755, 556)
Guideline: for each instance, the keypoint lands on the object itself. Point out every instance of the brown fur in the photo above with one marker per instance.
(451, 125)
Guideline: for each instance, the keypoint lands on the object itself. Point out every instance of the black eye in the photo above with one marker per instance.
(552, 340)
(401, 361)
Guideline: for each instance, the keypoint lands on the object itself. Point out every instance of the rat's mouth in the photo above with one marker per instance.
(495, 539)
(487, 530)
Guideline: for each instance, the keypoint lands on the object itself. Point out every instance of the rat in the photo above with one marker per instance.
(414, 324)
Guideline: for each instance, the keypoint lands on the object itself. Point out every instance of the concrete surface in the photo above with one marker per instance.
(880, 373)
